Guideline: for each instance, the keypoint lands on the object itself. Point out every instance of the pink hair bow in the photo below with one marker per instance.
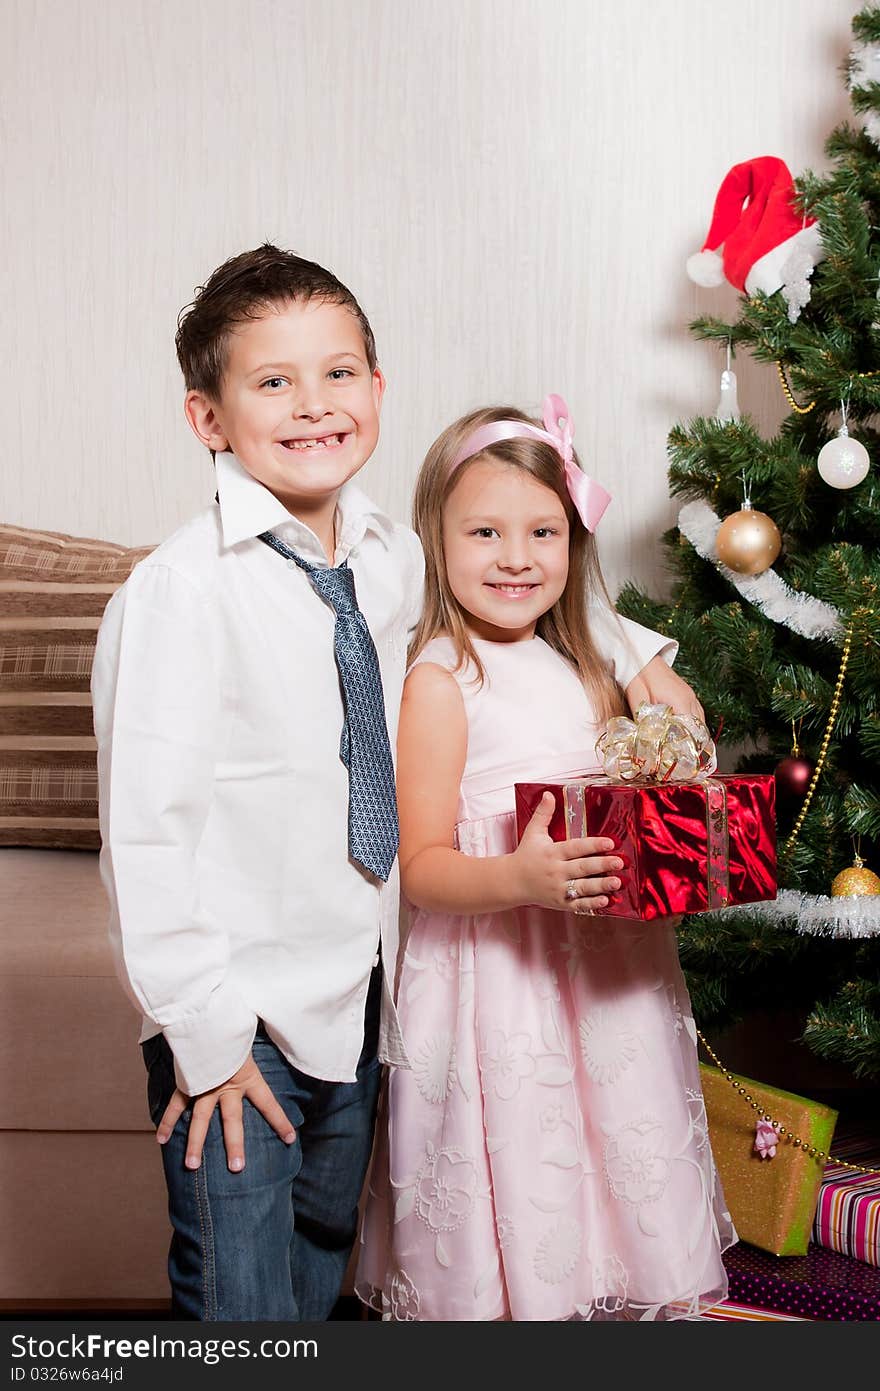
(589, 497)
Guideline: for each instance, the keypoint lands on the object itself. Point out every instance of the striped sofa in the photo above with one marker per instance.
(83, 1216)
(53, 590)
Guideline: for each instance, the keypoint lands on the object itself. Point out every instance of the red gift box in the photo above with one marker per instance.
(687, 847)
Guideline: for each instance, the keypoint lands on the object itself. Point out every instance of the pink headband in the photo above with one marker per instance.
(589, 497)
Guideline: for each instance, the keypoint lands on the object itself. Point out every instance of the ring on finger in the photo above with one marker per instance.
(571, 890)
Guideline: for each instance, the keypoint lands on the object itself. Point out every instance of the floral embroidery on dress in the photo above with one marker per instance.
(506, 1061)
(506, 1229)
(607, 1048)
(551, 1117)
(676, 1016)
(547, 985)
(446, 960)
(699, 1120)
(445, 1189)
(433, 1067)
(587, 941)
(610, 1281)
(636, 1165)
(558, 1251)
(404, 1298)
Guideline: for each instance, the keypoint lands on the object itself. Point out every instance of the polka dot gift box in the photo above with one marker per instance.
(819, 1285)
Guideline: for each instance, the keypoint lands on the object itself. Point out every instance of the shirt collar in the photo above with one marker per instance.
(247, 508)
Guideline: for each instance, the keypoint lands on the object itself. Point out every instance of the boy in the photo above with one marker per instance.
(246, 790)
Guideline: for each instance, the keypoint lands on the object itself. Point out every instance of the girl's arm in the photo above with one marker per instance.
(658, 684)
(431, 752)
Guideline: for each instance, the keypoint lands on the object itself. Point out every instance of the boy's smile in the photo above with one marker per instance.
(299, 406)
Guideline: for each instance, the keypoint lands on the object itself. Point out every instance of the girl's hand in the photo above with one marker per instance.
(658, 684)
(575, 876)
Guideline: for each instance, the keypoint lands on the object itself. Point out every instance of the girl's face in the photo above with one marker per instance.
(505, 540)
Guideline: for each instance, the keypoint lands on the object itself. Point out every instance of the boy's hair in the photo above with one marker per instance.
(565, 626)
(243, 288)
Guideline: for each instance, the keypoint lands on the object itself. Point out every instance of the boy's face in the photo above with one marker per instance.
(299, 406)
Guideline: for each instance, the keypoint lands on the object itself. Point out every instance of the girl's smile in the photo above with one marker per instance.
(513, 591)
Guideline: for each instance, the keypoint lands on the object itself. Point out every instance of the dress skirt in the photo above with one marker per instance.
(547, 1154)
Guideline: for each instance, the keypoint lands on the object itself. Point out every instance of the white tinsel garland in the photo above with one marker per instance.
(803, 614)
(817, 914)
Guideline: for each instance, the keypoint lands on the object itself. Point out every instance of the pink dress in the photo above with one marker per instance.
(546, 1156)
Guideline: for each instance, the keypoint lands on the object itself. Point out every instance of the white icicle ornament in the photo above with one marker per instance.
(728, 406)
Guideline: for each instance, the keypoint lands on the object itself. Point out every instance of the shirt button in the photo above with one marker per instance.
(291, 564)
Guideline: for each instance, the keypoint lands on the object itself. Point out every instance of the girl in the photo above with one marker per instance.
(546, 1157)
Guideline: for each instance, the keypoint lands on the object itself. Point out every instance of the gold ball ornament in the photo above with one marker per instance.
(856, 882)
(748, 542)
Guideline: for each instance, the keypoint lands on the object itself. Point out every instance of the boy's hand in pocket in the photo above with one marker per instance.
(248, 1082)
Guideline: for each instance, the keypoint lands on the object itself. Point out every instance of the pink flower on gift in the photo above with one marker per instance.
(445, 1190)
(766, 1139)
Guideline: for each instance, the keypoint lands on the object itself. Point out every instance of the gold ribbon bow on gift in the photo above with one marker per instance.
(658, 746)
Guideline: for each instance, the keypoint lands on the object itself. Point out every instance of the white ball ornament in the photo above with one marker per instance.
(843, 462)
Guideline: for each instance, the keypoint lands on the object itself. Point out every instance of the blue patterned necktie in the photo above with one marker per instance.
(373, 834)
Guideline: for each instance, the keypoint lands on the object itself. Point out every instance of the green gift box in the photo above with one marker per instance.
(772, 1200)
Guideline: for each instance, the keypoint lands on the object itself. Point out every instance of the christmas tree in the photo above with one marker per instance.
(786, 650)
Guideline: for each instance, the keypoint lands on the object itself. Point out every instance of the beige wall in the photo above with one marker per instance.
(511, 187)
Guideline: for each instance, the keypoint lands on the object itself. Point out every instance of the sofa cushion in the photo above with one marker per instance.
(68, 1033)
(53, 590)
(84, 1218)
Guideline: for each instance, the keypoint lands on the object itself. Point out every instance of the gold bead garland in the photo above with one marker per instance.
(826, 740)
(782, 1131)
(801, 410)
(805, 410)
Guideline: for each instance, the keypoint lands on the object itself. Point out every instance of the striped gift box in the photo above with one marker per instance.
(730, 1311)
(848, 1216)
(53, 591)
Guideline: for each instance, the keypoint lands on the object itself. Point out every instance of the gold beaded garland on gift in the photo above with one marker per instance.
(782, 1131)
(748, 542)
(856, 882)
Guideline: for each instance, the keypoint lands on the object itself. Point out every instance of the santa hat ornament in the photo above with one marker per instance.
(758, 240)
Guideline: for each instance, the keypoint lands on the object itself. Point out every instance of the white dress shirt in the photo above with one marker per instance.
(223, 799)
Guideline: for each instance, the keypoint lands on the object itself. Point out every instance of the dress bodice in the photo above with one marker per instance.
(530, 719)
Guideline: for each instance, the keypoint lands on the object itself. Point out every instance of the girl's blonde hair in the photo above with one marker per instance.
(564, 627)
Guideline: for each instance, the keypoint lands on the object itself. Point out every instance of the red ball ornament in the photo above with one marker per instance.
(793, 776)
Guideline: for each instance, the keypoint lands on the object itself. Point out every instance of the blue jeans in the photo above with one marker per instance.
(273, 1241)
